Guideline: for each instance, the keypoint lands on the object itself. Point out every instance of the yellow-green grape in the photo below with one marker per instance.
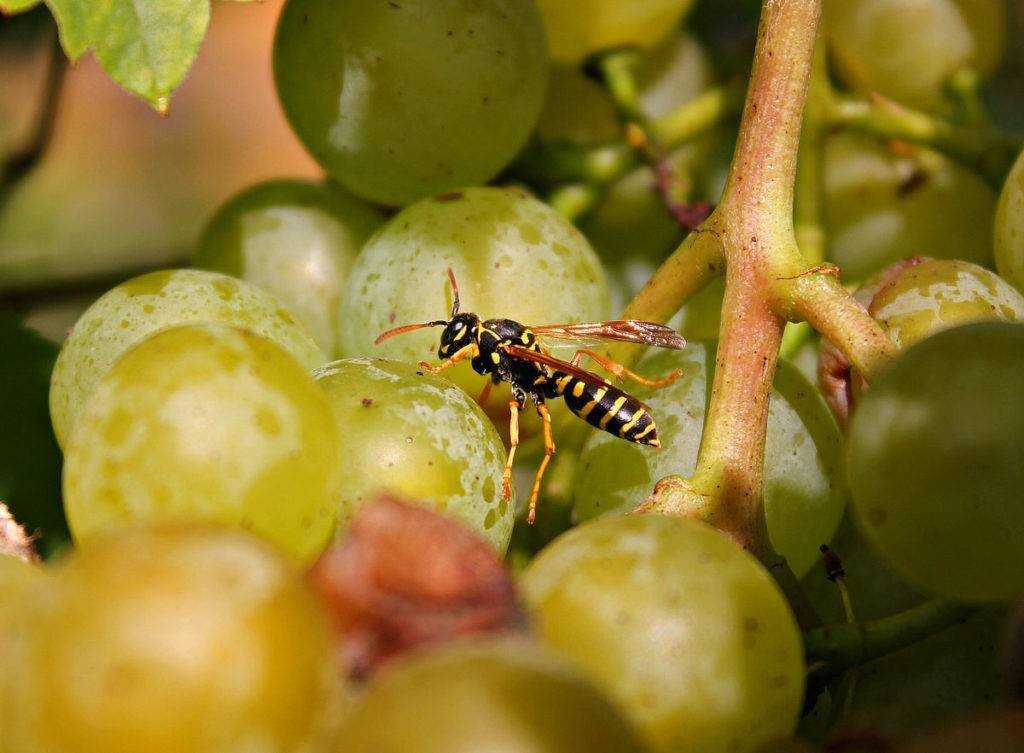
(803, 487)
(513, 256)
(578, 108)
(296, 239)
(419, 437)
(401, 100)
(935, 464)
(20, 582)
(681, 627)
(171, 641)
(938, 294)
(207, 423)
(1010, 226)
(909, 49)
(493, 696)
(136, 309)
(577, 28)
(881, 207)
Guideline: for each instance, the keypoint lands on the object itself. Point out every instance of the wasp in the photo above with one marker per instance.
(507, 351)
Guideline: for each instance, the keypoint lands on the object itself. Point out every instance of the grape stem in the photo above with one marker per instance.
(833, 649)
(14, 541)
(19, 165)
(768, 281)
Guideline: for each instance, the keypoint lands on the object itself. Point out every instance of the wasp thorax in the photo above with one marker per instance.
(458, 333)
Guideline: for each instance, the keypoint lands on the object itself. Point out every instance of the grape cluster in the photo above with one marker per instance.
(224, 427)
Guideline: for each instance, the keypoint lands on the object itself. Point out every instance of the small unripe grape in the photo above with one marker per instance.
(577, 28)
(207, 423)
(487, 697)
(938, 294)
(909, 49)
(170, 641)
(1010, 226)
(679, 625)
(513, 256)
(136, 309)
(418, 437)
(401, 100)
(935, 462)
(881, 207)
(804, 490)
(294, 238)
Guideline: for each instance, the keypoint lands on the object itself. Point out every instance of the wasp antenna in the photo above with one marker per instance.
(407, 328)
(455, 292)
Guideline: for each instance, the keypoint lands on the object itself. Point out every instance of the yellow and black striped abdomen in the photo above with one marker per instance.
(609, 408)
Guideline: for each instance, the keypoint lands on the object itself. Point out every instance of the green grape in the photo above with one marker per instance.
(804, 492)
(881, 207)
(294, 238)
(209, 423)
(20, 583)
(909, 49)
(420, 438)
(934, 462)
(171, 641)
(1010, 226)
(141, 306)
(578, 108)
(685, 630)
(514, 257)
(492, 696)
(29, 457)
(578, 28)
(402, 100)
(938, 294)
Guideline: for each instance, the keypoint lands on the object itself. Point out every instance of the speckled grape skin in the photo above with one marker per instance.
(685, 630)
(908, 49)
(207, 423)
(577, 28)
(419, 437)
(804, 490)
(514, 257)
(135, 309)
(171, 641)
(296, 239)
(1010, 226)
(881, 207)
(401, 100)
(491, 696)
(936, 295)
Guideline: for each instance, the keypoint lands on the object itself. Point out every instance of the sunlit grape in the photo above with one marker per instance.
(577, 28)
(909, 49)
(1010, 227)
(170, 641)
(488, 697)
(294, 238)
(137, 308)
(419, 437)
(401, 100)
(882, 206)
(804, 489)
(211, 423)
(676, 623)
(934, 462)
(514, 257)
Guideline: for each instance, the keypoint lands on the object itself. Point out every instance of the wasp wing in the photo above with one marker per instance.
(527, 354)
(622, 330)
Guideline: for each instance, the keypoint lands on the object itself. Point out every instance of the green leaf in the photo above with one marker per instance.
(147, 46)
(10, 7)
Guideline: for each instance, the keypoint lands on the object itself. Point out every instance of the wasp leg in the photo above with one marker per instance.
(485, 393)
(469, 351)
(618, 370)
(549, 450)
(513, 433)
